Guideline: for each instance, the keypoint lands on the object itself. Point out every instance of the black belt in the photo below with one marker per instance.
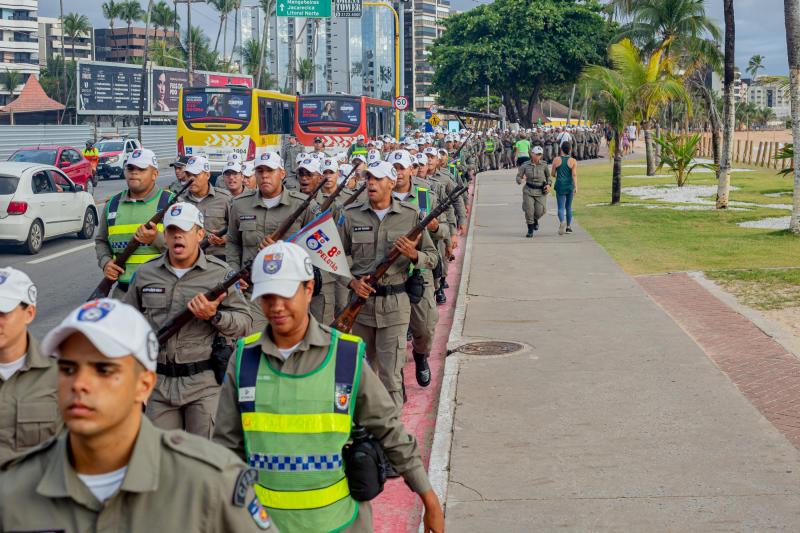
(388, 290)
(123, 286)
(182, 370)
(540, 187)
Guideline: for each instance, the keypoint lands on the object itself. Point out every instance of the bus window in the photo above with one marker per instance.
(288, 118)
(269, 118)
(372, 122)
(216, 106)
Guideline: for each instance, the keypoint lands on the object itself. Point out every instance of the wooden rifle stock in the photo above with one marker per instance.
(345, 320)
(174, 324)
(355, 195)
(104, 287)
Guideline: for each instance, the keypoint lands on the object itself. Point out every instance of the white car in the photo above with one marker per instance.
(38, 202)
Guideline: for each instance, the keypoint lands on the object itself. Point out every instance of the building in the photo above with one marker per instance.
(19, 42)
(740, 87)
(121, 46)
(771, 92)
(50, 42)
(423, 24)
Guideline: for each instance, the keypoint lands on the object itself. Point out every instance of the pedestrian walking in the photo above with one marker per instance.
(522, 149)
(565, 168)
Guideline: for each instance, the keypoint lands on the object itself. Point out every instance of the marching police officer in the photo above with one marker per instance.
(28, 411)
(256, 214)
(213, 202)
(371, 228)
(178, 165)
(233, 177)
(112, 470)
(535, 174)
(311, 382)
(124, 218)
(185, 396)
(289, 153)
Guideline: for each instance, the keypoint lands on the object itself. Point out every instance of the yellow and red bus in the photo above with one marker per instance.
(218, 121)
(339, 118)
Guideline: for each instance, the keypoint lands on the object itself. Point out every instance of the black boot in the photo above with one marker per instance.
(423, 370)
(408, 334)
(445, 285)
(441, 298)
(536, 225)
(530, 231)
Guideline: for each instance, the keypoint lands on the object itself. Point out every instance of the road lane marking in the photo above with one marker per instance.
(59, 254)
(490, 205)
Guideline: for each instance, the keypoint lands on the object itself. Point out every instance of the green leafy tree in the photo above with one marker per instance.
(163, 16)
(667, 23)
(755, 64)
(251, 55)
(518, 48)
(111, 11)
(478, 103)
(75, 26)
(678, 153)
(305, 72)
(161, 53)
(130, 12)
(11, 80)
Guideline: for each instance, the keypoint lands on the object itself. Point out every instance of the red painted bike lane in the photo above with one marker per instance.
(397, 509)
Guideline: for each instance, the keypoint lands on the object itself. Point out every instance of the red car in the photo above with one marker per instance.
(69, 159)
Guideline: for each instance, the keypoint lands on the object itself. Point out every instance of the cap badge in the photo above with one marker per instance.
(94, 311)
(136, 153)
(272, 263)
(175, 211)
(3, 277)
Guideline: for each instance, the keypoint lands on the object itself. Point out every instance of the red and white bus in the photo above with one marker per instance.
(339, 118)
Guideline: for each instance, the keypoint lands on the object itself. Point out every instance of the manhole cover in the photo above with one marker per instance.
(489, 348)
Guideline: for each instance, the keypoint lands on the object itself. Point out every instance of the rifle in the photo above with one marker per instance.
(174, 324)
(345, 320)
(204, 244)
(355, 195)
(104, 287)
(339, 188)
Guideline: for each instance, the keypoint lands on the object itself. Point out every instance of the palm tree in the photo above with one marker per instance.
(250, 52)
(11, 81)
(669, 23)
(652, 85)
(162, 54)
(237, 6)
(724, 168)
(791, 15)
(164, 17)
(130, 11)
(755, 64)
(305, 72)
(111, 11)
(614, 102)
(224, 8)
(76, 25)
(267, 6)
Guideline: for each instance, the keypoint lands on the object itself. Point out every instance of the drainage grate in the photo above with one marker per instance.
(489, 348)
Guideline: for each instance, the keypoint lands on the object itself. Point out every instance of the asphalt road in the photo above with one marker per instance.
(65, 271)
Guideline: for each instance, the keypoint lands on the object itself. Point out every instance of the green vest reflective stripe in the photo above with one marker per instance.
(123, 219)
(421, 200)
(297, 446)
(489, 146)
(359, 150)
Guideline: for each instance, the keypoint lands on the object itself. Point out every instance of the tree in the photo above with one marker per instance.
(614, 102)
(11, 80)
(223, 7)
(724, 168)
(164, 17)
(130, 12)
(755, 64)
(551, 41)
(305, 72)
(161, 53)
(250, 54)
(791, 15)
(651, 84)
(76, 25)
(111, 11)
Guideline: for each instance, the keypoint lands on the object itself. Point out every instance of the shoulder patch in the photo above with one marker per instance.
(198, 448)
(244, 481)
(247, 193)
(355, 205)
(24, 456)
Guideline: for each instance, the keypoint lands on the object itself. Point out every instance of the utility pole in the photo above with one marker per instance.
(64, 62)
(487, 99)
(144, 70)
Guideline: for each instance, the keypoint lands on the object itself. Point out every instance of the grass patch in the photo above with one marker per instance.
(646, 241)
(762, 289)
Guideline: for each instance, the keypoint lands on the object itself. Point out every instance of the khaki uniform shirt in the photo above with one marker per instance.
(175, 482)
(101, 246)
(216, 209)
(367, 239)
(159, 294)
(289, 155)
(374, 409)
(535, 175)
(251, 221)
(28, 409)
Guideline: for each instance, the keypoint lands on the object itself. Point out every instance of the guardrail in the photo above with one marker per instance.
(160, 139)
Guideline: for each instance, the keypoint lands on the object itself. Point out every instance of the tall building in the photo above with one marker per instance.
(423, 24)
(50, 42)
(771, 92)
(119, 45)
(19, 42)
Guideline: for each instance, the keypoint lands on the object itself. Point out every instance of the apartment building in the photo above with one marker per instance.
(19, 42)
(121, 46)
(771, 92)
(50, 36)
(423, 24)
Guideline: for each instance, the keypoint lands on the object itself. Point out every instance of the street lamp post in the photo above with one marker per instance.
(397, 65)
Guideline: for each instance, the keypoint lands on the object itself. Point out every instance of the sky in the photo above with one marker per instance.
(759, 25)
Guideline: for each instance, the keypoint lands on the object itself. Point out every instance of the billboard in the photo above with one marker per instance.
(109, 88)
(106, 88)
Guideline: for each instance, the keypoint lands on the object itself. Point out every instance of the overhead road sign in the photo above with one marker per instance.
(304, 8)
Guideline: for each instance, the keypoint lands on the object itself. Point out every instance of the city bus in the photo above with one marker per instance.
(218, 121)
(339, 118)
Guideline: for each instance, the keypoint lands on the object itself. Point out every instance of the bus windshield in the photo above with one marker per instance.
(341, 114)
(216, 105)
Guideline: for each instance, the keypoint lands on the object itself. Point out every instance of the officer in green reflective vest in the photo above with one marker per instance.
(290, 398)
(357, 148)
(124, 218)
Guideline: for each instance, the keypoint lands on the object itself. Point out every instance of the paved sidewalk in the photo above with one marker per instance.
(614, 419)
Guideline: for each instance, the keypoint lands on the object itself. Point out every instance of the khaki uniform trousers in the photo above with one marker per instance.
(424, 316)
(323, 305)
(170, 411)
(390, 343)
(534, 206)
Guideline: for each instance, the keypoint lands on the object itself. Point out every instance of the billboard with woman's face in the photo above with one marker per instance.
(167, 85)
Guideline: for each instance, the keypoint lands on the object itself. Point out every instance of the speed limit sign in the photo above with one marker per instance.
(401, 103)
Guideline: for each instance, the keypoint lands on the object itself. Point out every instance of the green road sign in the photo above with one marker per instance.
(304, 8)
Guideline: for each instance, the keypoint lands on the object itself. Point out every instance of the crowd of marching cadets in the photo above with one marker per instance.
(268, 313)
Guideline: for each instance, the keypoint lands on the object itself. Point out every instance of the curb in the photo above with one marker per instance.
(439, 464)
